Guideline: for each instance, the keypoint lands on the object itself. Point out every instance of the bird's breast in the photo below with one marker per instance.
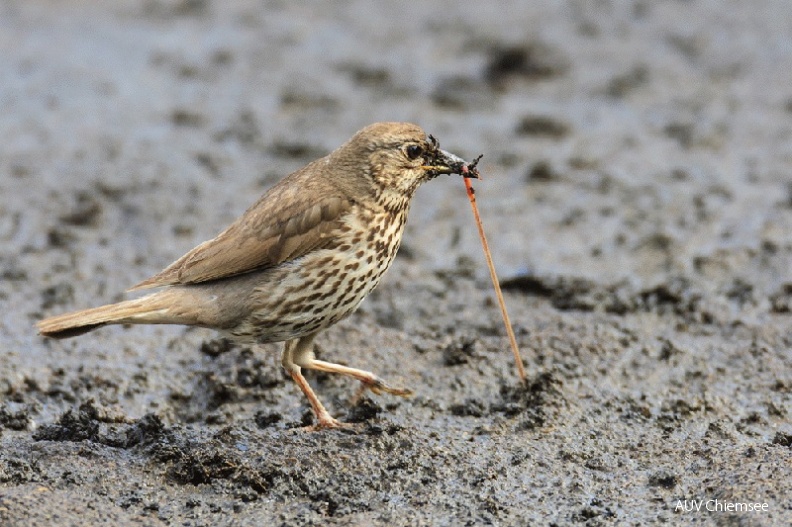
(326, 285)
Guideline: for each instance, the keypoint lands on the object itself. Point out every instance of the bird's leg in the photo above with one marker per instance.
(369, 380)
(297, 348)
(304, 357)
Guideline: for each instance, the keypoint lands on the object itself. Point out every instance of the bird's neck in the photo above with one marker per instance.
(392, 201)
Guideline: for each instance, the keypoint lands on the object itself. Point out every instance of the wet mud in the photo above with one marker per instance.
(636, 192)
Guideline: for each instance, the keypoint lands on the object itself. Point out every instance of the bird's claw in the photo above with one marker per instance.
(379, 387)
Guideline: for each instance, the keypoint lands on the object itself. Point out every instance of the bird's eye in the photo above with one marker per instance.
(413, 151)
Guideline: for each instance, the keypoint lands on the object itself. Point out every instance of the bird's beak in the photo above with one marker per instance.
(447, 163)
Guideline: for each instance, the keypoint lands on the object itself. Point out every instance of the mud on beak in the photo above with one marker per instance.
(444, 162)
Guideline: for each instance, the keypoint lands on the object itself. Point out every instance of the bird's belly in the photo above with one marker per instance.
(316, 291)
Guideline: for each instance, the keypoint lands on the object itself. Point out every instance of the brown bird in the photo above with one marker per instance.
(300, 259)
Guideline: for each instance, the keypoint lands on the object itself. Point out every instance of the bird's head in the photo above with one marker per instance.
(398, 157)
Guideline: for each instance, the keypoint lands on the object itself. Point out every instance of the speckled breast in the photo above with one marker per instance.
(315, 291)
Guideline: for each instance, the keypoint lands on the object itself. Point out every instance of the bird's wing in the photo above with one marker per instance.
(296, 216)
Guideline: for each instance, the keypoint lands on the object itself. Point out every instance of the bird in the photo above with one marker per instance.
(300, 259)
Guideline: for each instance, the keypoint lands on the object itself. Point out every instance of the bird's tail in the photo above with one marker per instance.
(151, 309)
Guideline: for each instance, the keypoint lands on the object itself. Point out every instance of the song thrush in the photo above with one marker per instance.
(299, 260)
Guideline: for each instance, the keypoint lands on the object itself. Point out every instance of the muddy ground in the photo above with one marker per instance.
(638, 200)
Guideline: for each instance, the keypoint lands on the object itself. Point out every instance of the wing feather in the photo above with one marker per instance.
(295, 217)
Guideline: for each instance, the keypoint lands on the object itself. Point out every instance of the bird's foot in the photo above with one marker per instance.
(378, 386)
(329, 423)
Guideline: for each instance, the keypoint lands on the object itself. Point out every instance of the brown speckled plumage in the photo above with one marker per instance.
(300, 259)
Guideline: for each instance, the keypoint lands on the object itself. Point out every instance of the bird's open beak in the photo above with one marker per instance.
(447, 163)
